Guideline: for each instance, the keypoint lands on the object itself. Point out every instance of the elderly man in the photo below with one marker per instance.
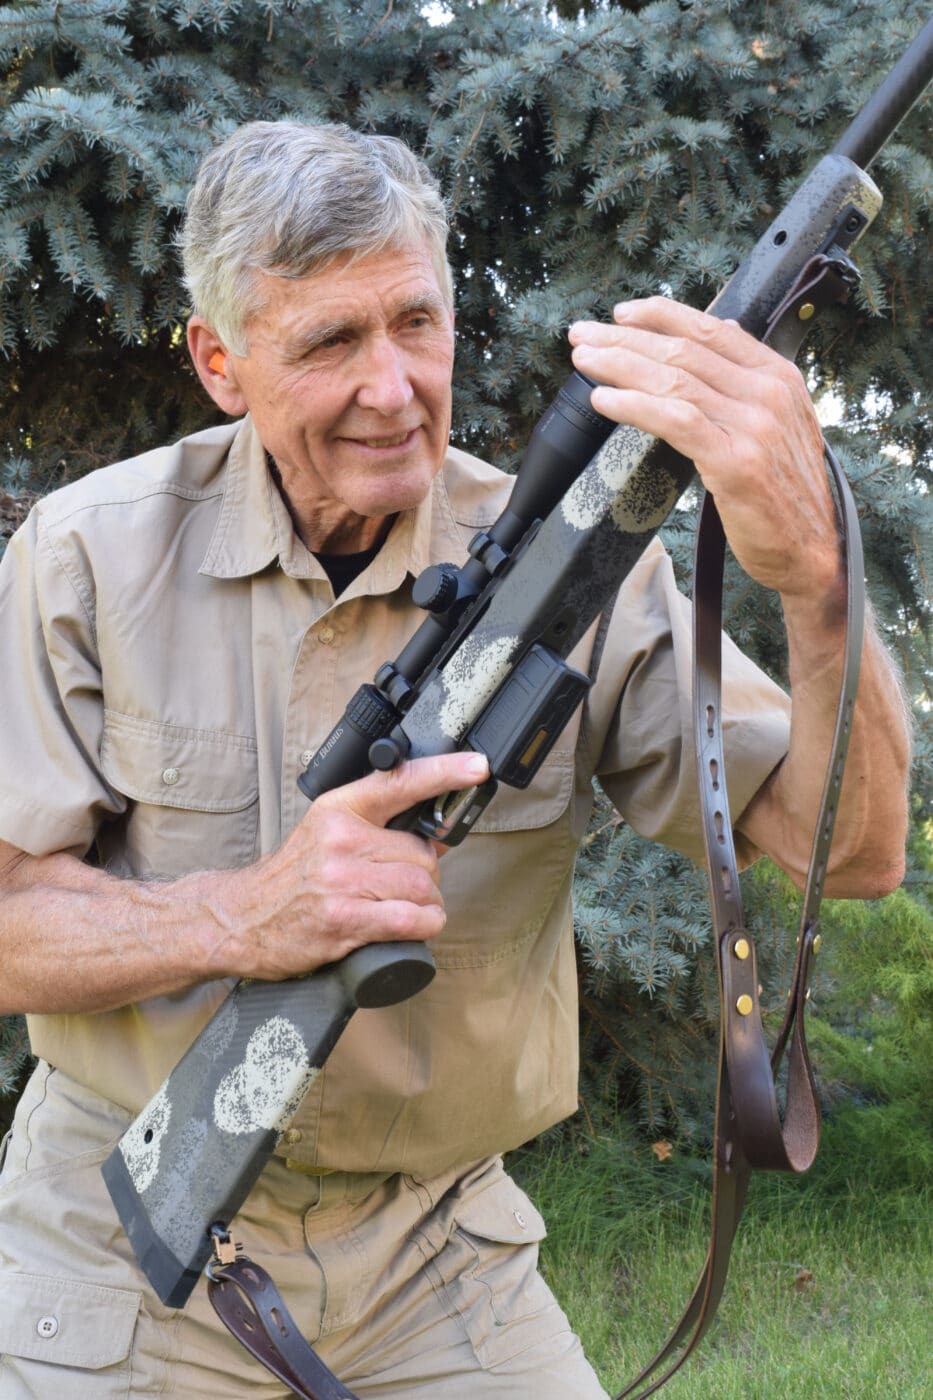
(180, 632)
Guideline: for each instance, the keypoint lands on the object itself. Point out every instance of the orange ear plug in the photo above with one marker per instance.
(218, 362)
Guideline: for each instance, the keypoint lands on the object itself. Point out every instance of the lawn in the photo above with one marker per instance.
(829, 1291)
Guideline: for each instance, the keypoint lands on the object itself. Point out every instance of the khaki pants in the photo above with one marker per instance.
(407, 1288)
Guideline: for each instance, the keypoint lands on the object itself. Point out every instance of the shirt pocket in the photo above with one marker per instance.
(193, 797)
(502, 882)
(48, 1324)
(538, 805)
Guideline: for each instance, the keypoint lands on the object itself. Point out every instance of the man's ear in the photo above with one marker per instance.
(215, 367)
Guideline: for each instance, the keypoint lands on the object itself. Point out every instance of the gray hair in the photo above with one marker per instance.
(287, 199)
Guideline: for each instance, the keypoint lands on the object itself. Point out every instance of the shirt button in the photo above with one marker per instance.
(291, 1136)
(170, 776)
(47, 1326)
(306, 757)
(520, 1220)
(326, 635)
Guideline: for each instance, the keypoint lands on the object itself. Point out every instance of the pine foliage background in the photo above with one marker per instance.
(590, 152)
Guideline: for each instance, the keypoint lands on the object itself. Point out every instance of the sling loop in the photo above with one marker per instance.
(248, 1303)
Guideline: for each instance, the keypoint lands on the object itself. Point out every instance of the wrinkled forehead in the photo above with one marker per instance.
(349, 295)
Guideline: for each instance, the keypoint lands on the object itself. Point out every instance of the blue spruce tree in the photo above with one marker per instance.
(590, 152)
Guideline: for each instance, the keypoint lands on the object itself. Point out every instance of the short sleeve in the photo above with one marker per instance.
(643, 691)
(52, 794)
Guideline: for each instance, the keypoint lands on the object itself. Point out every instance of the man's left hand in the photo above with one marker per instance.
(742, 413)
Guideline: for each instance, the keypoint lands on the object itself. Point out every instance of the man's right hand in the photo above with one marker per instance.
(342, 878)
(75, 938)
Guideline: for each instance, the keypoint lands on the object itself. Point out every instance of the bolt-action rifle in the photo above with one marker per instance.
(487, 670)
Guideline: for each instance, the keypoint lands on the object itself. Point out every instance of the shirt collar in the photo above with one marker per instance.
(254, 529)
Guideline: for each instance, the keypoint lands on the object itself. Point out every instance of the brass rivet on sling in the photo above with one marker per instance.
(806, 311)
(817, 942)
(741, 948)
(744, 1004)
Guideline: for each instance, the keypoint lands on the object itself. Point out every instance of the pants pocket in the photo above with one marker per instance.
(65, 1338)
(487, 1273)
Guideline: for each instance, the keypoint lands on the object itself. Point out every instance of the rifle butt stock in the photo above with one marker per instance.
(195, 1151)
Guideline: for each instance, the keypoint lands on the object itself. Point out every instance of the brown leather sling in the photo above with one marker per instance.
(750, 1133)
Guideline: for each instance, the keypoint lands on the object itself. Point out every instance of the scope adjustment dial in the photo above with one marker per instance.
(435, 589)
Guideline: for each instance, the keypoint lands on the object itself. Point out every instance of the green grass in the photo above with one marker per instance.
(628, 1238)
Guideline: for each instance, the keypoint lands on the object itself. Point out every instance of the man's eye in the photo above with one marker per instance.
(321, 345)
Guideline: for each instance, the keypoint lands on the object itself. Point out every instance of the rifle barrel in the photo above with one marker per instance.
(864, 138)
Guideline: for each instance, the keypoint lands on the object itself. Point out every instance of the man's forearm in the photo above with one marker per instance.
(867, 858)
(75, 938)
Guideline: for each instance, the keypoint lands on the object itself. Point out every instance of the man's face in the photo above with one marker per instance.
(347, 378)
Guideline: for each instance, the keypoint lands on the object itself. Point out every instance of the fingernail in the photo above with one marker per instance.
(477, 766)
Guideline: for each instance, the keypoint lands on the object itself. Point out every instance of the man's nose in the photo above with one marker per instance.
(386, 386)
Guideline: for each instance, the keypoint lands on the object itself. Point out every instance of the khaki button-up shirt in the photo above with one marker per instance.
(171, 655)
